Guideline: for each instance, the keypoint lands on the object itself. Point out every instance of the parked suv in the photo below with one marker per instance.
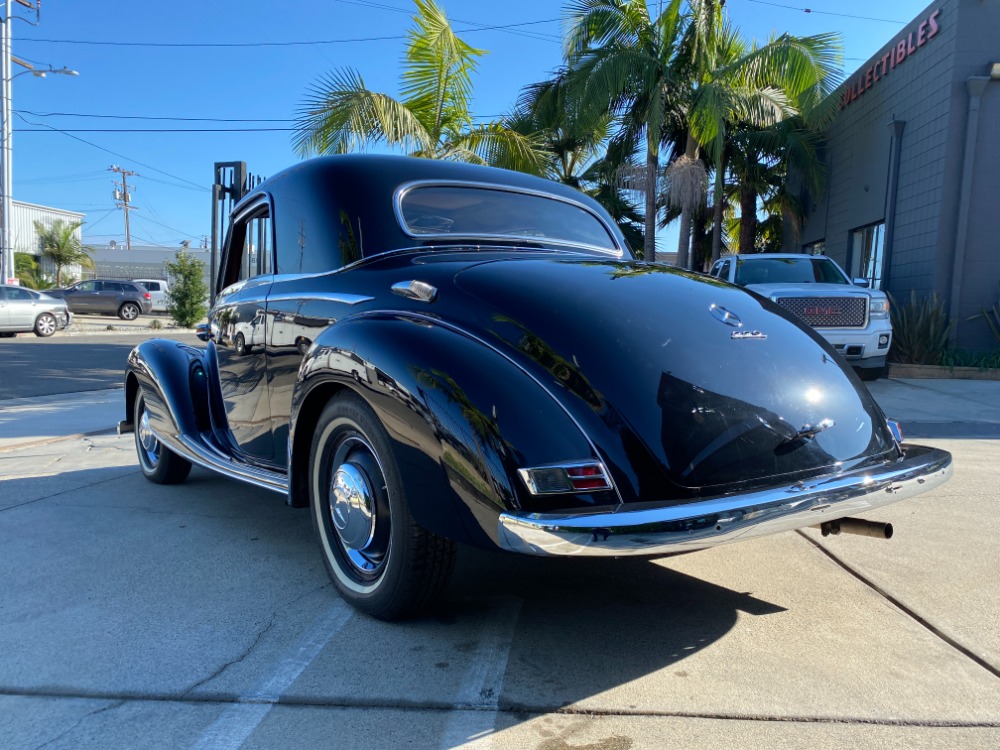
(853, 318)
(158, 290)
(126, 299)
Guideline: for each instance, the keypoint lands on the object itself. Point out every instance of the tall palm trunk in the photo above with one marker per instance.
(720, 184)
(652, 166)
(748, 218)
(684, 241)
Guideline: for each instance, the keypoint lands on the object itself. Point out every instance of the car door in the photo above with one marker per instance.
(22, 308)
(4, 309)
(246, 276)
(82, 297)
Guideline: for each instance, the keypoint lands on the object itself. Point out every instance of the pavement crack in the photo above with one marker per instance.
(249, 650)
(66, 492)
(908, 611)
(117, 704)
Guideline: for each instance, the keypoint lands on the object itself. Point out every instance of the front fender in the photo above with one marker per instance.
(462, 418)
(171, 378)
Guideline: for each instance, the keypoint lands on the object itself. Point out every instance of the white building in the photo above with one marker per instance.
(24, 237)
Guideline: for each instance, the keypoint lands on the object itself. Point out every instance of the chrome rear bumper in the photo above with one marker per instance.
(721, 520)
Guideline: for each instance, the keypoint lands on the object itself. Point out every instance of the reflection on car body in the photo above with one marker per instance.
(420, 369)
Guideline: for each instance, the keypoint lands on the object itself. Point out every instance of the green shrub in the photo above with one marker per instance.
(920, 331)
(966, 358)
(187, 293)
(155, 325)
(992, 317)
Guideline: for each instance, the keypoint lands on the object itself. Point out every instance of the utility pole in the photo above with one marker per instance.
(124, 198)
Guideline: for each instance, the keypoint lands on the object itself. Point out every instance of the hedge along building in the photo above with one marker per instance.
(912, 198)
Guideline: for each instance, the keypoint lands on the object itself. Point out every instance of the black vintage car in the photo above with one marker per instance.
(427, 353)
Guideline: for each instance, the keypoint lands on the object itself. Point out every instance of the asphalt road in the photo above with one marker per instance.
(135, 615)
(31, 366)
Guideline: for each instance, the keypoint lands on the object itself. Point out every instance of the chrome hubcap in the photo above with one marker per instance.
(147, 439)
(46, 325)
(352, 511)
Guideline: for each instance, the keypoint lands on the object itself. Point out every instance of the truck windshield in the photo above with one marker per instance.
(752, 270)
(473, 212)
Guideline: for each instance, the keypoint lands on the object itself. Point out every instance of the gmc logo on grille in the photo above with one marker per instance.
(817, 310)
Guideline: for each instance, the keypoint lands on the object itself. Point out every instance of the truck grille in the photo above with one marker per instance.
(829, 312)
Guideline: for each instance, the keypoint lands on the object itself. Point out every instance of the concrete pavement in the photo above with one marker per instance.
(200, 616)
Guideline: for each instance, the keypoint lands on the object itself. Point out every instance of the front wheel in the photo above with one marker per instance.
(157, 462)
(380, 560)
(129, 311)
(45, 325)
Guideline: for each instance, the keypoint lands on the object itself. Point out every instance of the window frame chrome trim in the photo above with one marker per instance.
(406, 187)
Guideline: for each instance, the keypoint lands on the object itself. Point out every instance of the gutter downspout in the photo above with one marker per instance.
(896, 133)
(976, 85)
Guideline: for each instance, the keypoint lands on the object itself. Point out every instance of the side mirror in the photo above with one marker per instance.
(861, 282)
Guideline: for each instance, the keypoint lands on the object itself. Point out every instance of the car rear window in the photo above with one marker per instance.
(472, 212)
(788, 271)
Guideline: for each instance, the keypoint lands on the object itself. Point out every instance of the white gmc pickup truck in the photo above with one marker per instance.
(853, 318)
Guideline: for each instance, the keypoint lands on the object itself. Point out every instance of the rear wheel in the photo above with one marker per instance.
(45, 325)
(869, 374)
(241, 344)
(157, 462)
(380, 560)
(129, 311)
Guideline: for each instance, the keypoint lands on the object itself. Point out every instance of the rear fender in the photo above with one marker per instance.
(461, 416)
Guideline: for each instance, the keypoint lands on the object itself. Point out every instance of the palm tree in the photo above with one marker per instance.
(735, 82)
(432, 119)
(624, 63)
(580, 151)
(61, 246)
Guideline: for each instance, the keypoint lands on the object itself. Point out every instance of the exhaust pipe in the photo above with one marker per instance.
(859, 526)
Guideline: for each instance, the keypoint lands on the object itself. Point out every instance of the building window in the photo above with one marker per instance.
(815, 248)
(868, 254)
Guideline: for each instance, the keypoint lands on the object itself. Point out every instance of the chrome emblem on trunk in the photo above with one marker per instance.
(723, 315)
(748, 335)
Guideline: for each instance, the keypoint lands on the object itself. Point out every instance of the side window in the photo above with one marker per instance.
(724, 270)
(14, 293)
(250, 251)
(89, 286)
(152, 286)
(716, 269)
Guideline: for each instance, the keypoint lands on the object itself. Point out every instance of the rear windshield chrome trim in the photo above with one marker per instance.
(406, 187)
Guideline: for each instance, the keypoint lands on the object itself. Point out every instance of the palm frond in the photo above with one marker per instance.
(437, 82)
(340, 114)
(500, 146)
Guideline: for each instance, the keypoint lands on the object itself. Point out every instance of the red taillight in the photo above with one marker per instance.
(147, 295)
(589, 477)
(578, 476)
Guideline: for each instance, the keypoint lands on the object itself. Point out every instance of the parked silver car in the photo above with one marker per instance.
(23, 310)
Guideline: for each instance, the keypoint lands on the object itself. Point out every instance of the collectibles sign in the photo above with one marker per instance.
(900, 51)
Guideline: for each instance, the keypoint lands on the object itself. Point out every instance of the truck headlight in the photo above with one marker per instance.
(878, 307)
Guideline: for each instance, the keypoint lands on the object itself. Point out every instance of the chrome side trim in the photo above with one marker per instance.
(342, 297)
(721, 520)
(208, 458)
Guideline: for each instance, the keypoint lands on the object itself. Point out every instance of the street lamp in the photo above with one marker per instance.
(6, 143)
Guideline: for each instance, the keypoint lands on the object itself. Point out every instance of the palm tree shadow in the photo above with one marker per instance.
(589, 625)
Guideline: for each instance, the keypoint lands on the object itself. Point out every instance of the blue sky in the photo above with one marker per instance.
(127, 69)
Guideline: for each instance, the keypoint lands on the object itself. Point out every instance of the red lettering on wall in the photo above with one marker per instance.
(901, 49)
(932, 22)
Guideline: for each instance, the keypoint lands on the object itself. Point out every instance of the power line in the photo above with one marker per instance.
(826, 12)
(299, 43)
(67, 131)
(113, 153)
(149, 117)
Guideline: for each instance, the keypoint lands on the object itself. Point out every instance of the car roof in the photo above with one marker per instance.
(776, 256)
